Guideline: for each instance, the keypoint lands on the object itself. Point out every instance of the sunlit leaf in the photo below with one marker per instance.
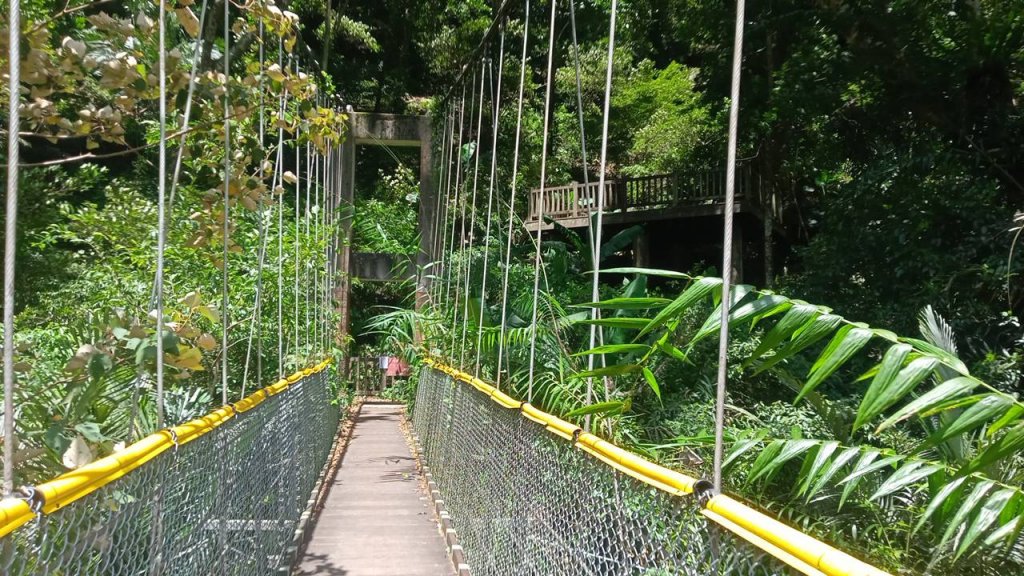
(694, 293)
(843, 346)
(888, 387)
(909, 474)
(967, 507)
(652, 381)
(985, 517)
(616, 349)
(941, 393)
(626, 303)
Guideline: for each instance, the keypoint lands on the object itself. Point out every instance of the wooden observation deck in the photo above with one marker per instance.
(642, 199)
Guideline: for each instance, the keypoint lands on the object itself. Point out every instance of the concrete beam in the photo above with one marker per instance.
(385, 129)
(381, 267)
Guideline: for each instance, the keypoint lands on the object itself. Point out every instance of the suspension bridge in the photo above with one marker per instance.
(474, 480)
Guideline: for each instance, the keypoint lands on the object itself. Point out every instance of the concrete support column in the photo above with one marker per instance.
(642, 250)
(427, 211)
(346, 179)
(737, 252)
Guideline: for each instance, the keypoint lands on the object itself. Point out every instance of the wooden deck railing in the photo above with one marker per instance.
(641, 193)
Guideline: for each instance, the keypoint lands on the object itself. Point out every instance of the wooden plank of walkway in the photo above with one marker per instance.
(376, 520)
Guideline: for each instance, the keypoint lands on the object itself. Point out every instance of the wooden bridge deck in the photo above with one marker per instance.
(376, 520)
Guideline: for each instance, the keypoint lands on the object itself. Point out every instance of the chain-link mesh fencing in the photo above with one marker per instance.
(228, 502)
(527, 502)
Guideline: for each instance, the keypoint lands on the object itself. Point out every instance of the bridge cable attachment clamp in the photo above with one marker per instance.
(704, 491)
(34, 498)
(576, 436)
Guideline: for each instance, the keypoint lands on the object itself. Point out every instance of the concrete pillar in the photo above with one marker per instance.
(346, 178)
(642, 250)
(427, 210)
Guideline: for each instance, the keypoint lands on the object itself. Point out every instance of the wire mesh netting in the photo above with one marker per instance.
(525, 501)
(227, 502)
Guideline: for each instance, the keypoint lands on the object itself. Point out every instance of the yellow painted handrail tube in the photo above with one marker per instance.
(78, 483)
(808, 549)
(793, 547)
(13, 513)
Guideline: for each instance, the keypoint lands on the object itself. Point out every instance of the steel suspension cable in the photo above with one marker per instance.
(443, 205)
(540, 199)
(187, 114)
(461, 189)
(730, 198)
(279, 178)
(321, 221)
(440, 214)
(298, 193)
(161, 232)
(321, 253)
(457, 151)
(256, 324)
(10, 232)
(305, 267)
(583, 133)
(225, 315)
(595, 248)
(472, 214)
(512, 195)
(496, 101)
(595, 292)
(315, 216)
(331, 202)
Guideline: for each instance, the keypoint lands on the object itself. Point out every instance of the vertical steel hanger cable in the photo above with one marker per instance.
(730, 194)
(10, 233)
(443, 205)
(595, 292)
(512, 195)
(457, 151)
(187, 115)
(595, 252)
(256, 324)
(305, 266)
(225, 315)
(440, 214)
(280, 219)
(540, 199)
(496, 102)
(313, 215)
(161, 219)
(297, 235)
(330, 279)
(468, 250)
(321, 269)
(319, 252)
(460, 185)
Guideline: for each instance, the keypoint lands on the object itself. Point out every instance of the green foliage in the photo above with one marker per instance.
(386, 221)
(985, 423)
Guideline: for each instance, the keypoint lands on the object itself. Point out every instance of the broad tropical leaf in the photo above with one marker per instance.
(950, 389)
(847, 341)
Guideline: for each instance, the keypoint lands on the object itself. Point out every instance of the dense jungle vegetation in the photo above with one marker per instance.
(874, 383)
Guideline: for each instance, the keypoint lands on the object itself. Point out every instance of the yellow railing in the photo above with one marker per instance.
(76, 484)
(798, 550)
